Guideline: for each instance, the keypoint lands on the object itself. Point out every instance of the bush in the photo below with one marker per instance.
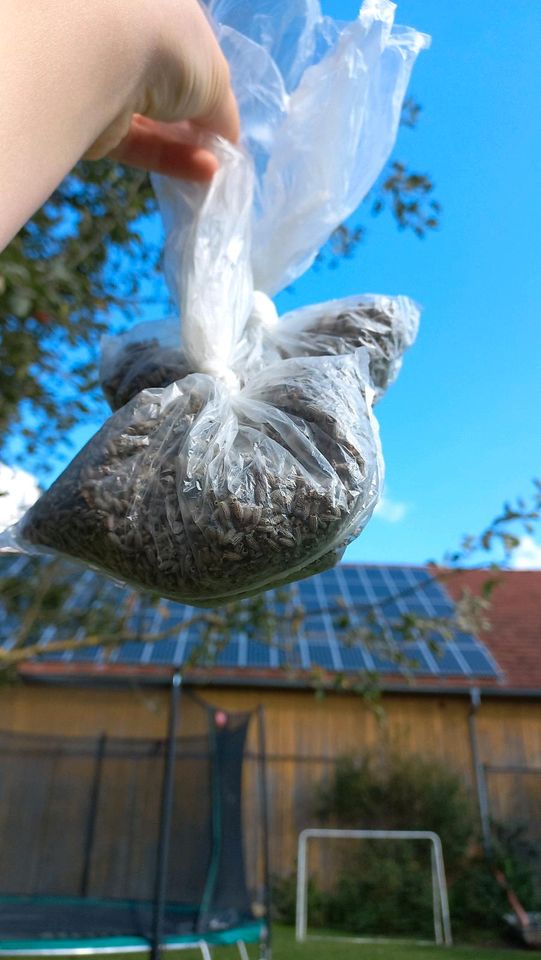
(284, 895)
(384, 890)
(384, 887)
(476, 901)
(404, 793)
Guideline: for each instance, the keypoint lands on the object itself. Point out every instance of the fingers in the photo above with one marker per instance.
(222, 116)
(166, 148)
(186, 90)
(204, 92)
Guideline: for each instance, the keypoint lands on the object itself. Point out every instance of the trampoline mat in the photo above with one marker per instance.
(22, 918)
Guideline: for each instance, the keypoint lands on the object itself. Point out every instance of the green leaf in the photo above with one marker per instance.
(19, 304)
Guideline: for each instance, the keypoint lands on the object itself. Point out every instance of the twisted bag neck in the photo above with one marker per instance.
(208, 259)
(263, 311)
(220, 371)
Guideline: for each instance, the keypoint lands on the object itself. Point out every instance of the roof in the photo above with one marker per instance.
(327, 639)
(514, 637)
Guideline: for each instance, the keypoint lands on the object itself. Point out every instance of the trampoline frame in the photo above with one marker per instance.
(110, 947)
(259, 930)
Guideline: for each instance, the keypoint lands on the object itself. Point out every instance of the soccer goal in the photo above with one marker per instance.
(442, 921)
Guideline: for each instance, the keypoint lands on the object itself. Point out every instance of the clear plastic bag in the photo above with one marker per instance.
(259, 464)
(205, 494)
(149, 355)
(141, 358)
(385, 326)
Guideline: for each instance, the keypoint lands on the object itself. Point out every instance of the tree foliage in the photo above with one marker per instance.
(81, 256)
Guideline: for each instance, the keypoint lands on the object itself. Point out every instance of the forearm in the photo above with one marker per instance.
(67, 70)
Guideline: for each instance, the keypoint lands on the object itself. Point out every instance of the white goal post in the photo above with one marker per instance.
(442, 921)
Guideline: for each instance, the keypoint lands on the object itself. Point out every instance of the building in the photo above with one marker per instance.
(476, 704)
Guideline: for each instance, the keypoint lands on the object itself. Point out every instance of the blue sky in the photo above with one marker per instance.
(461, 427)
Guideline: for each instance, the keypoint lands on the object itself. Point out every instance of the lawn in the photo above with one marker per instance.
(285, 948)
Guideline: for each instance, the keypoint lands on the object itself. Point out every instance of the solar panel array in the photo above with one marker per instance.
(350, 622)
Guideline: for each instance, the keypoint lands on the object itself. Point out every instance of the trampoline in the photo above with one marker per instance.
(116, 845)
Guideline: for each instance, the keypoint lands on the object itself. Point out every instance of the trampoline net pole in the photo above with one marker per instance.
(92, 812)
(165, 819)
(267, 945)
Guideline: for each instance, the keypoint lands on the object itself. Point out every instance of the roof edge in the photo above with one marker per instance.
(114, 675)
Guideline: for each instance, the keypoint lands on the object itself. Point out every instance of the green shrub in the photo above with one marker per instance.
(476, 901)
(404, 793)
(283, 896)
(384, 890)
(519, 859)
(384, 887)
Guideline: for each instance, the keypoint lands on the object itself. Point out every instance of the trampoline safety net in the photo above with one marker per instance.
(80, 823)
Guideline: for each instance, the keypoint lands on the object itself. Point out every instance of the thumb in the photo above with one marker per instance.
(223, 116)
(191, 80)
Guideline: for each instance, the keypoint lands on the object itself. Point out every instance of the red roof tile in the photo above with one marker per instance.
(514, 638)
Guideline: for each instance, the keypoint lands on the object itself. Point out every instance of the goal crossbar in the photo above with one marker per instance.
(442, 920)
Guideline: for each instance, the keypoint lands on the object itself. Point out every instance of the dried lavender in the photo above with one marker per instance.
(142, 364)
(386, 326)
(203, 497)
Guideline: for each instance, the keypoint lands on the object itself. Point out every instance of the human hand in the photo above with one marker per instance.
(137, 80)
(185, 90)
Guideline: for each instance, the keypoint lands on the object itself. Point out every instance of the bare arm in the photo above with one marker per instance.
(74, 73)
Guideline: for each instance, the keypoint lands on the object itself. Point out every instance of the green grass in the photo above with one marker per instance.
(285, 948)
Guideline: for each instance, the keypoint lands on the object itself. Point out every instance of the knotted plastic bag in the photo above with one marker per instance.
(263, 461)
(386, 326)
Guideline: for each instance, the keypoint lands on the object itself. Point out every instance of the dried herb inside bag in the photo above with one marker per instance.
(386, 326)
(203, 495)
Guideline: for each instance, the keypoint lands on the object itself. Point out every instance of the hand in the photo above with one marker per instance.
(185, 89)
(133, 79)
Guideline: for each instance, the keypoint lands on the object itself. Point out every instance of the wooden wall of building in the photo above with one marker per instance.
(305, 735)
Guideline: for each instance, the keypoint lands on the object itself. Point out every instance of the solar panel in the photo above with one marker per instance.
(418, 659)
(288, 656)
(307, 588)
(164, 651)
(129, 652)
(354, 658)
(321, 656)
(337, 604)
(315, 623)
(478, 661)
(90, 654)
(383, 664)
(228, 656)
(448, 662)
(387, 594)
(258, 654)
